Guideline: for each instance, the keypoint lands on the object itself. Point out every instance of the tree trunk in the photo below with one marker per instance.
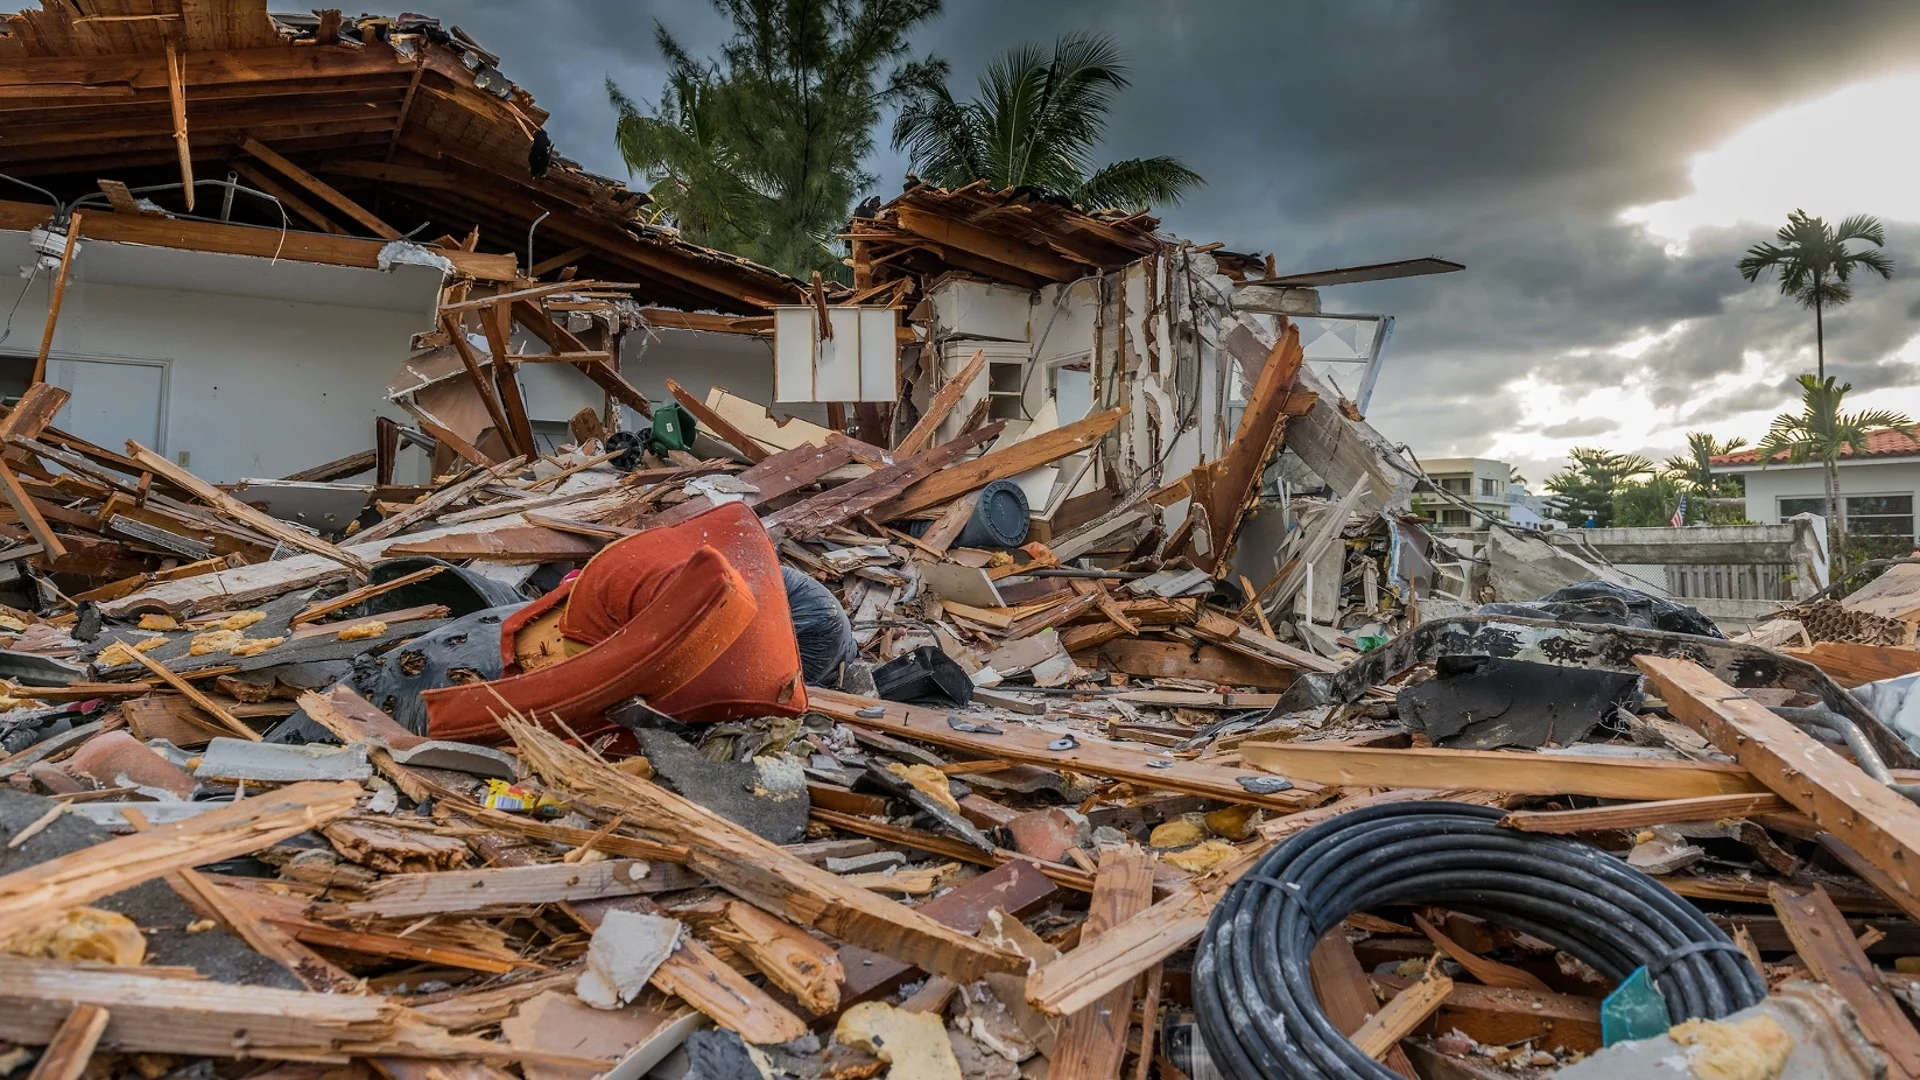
(1836, 526)
(1819, 331)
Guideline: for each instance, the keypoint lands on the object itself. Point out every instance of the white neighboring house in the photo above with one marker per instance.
(1877, 487)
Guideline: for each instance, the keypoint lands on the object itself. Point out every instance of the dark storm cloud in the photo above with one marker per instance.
(1506, 134)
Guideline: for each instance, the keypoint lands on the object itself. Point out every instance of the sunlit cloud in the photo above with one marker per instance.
(1846, 152)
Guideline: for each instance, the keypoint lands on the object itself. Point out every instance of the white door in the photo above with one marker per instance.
(113, 401)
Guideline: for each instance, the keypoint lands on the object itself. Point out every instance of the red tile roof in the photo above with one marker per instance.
(1892, 442)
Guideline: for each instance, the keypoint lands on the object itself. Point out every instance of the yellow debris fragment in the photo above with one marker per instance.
(11, 625)
(1201, 857)
(372, 628)
(242, 620)
(927, 779)
(256, 646)
(1183, 831)
(215, 641)
(1234, 822)
(155, 621)
(915, 1044)
(1753, 1049)
(118, 653)
(83, 933)
(200, 926)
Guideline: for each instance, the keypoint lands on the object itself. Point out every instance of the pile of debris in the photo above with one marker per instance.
(625, 759)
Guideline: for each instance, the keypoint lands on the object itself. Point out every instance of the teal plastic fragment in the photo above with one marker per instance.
(1635, 1010)
(1370, 642)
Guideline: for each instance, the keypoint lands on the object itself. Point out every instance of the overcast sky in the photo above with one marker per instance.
(1599, 167)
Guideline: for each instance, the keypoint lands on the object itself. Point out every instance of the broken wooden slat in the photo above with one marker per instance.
(941, 405)
(67, 1054)
(1642, 814)
(457, 337)
(35, 893)
(59, 295)
(705, 982)
(1826, 945)
(23, 505)
(177, 102)
(157, 1014)
(1408, 1010)
(1016, 888)
(402, 895)
(1093, 1040)
(1881, 825)
(1233, 481)
(761, 872)
(749, 447)
(229, 908)
(193, 694)
(1099, 757)
(1341, 985)
(788, 956)
(1852, 664)
(810, 517)
(1000, 464)
(433, 504)
(779, 474)
(230, 507)
(523, 544)
(320, 609)
(1519, 772)
(1501, 1017)
(1247, 641)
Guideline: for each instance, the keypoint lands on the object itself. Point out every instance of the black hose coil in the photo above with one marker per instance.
(1253, 993)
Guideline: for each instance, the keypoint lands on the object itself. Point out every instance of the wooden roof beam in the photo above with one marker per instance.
(320, 188)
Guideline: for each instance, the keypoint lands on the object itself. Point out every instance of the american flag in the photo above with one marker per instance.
(1679, 512)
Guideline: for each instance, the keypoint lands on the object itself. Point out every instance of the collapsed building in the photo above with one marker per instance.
(453, 624)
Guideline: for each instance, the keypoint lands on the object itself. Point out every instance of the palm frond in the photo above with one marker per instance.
(1862, 227)
(1137, 183)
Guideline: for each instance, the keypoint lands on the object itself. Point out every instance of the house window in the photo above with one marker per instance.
(1790, 507)
(1459, 485)
(1489, 487)
(1880, 515)
(1458, 519)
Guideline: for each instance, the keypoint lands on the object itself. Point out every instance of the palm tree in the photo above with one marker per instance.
(1036, 123)
(1589, 489)
(1695, 467)
(1820, 432)
(1816, 266)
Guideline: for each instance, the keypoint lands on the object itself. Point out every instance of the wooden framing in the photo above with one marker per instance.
(235, 510)
(59, 295)
(326, 192)
(1494, 770)
(1000, 464)
(1826, 945)
(1882, 826)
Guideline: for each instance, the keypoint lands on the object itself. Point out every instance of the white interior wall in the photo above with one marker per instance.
(697, 360)
(270, 367)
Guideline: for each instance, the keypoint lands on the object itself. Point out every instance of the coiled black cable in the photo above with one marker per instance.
(1253, 993)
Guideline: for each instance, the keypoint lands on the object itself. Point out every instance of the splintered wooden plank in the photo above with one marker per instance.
(1519, 772)
(1099, 757)
(33, 894)
(1853, 664)
(943, 403)
(401, 895)
(749, 447)
(1502, 1017)
(229, 507)
(1341, 985)
(1409, 1009)
(1826, 945)
(1016, 888)
(1869, 817)
(66, 1057)
(810, 517)
(522, 544)
(1093, 1040)
(192, 693)
(779, 474)
(761, 872)
(1640, 815)
(694, 974)
(438, 501)
(1233, 480)
(1000, 464)
(30, 517)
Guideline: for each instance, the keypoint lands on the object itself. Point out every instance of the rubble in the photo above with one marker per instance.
(978, 728)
